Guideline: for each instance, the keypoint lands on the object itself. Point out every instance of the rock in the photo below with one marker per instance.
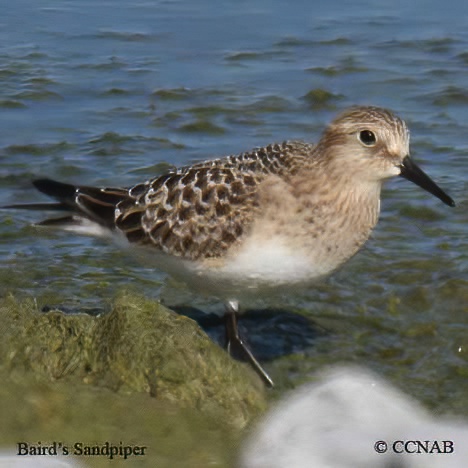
(140, 374)
(344, 418)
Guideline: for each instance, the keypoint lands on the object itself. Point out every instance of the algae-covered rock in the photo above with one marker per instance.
(138, 346)
(140, 372)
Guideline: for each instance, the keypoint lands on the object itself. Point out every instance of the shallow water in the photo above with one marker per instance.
(113, 92)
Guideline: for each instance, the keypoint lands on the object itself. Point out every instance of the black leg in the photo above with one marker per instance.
(235, 343)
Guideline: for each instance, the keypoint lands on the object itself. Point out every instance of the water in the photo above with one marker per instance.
(110, 93)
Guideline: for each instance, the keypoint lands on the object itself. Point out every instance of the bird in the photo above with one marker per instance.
(276, 218)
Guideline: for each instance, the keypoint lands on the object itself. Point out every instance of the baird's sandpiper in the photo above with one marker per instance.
(275, 217)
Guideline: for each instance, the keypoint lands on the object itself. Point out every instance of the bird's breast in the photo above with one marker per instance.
(305, 236)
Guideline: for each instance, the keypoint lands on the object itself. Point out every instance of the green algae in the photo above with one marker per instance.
(321, 99)
(202, 126)
(38, 95)
(254, 56)
(173, 94)
(38, 149)
(116, 92)
(12, 104)
(422, 213)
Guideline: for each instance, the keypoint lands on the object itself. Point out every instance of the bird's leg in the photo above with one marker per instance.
(233, 340)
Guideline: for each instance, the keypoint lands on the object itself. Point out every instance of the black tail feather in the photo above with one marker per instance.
(65, 193)
(93, 203)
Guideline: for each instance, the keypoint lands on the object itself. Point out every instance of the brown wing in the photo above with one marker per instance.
(202, 210)
(278, 158)
(193, 214)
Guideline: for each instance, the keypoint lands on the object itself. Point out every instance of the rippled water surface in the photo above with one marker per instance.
(110, 93)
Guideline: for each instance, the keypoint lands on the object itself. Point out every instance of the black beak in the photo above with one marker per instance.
(412, 172)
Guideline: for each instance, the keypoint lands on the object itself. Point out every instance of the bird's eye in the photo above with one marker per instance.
(367, 138)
